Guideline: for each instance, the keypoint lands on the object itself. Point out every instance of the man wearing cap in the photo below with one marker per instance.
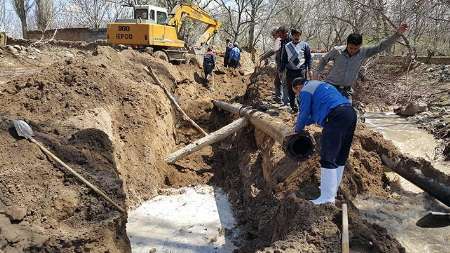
(348, 60)
(295, 62)
(321, 103)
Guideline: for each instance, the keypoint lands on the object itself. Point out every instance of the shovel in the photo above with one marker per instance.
(434, 220)
(24, 130)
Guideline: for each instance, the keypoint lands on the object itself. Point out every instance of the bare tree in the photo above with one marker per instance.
(44, 14)
(22, 8)
(97, 13)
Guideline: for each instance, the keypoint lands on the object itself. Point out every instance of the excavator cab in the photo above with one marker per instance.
(153, 27)
(150, 14)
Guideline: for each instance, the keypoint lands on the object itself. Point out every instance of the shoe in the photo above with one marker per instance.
(328, 186)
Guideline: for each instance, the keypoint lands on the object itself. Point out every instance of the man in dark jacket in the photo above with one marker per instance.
(226, 57)
(209, 63)
(295, 62)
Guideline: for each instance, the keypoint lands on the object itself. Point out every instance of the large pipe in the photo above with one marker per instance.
(296, 146)
(422, 174)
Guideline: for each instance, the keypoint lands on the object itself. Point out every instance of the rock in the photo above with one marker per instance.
(430, 69)
(447, 152)
(16, 213)
(11, 234)
(242, 72)
(411, 109)
(69, 55)
(12, 49)
(149, 50)
(152, 250)
(18, 48)
(121, 47)
(35, 50)
(219, 71)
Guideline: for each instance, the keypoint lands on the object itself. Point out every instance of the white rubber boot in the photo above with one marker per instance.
(328, 186)
(339, 175)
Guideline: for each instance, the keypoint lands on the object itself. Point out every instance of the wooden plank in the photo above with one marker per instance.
(207, 140)
(345, 239)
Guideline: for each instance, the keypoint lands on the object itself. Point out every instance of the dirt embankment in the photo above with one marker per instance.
(275, 223)
(101, 113)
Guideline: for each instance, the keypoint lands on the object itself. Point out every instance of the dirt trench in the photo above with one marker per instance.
(104, 115)
(101, 113)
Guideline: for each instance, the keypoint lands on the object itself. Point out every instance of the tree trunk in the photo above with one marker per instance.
(24, 28)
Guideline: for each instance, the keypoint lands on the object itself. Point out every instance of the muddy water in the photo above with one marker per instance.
(400, 213)
(188, 220)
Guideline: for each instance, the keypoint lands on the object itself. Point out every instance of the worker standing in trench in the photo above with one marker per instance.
(209, 63)
(321, 103)
(348, 60)
(295, 62)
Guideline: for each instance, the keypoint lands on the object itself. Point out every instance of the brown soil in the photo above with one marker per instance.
(275, 223)
(101, 113)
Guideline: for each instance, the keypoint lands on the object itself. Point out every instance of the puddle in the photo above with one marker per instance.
(409, 139)
(187, 220)
(400, 213)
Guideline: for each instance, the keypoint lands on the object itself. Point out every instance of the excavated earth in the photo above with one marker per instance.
(101, 113)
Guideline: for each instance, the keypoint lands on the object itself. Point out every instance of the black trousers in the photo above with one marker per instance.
(233, 63)
(290, 76)
(337, 137)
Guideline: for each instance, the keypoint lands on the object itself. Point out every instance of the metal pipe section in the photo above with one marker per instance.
(297, 146)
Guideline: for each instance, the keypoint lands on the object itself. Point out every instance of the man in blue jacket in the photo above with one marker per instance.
(235, 56)
(321, 103)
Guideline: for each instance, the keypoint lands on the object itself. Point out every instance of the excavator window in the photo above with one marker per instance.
(161, 18)
(152, 15)
(141, 14)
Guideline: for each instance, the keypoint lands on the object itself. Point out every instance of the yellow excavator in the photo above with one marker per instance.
(152, 27)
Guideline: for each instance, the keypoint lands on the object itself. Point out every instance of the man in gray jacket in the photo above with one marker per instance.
(348, 60)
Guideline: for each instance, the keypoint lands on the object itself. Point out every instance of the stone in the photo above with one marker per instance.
(149, 50)
(219, 71)
(35, 50)
(16, 213)
(152, 250)
(411, 109)
(17, 47)
(12, 49)
(69, 55)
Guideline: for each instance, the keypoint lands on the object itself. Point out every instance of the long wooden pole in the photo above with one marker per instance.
(149, 70)
(73, 172)
(214, 137)
(345, 239)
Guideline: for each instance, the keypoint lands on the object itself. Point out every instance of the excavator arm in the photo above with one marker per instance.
(195, 13)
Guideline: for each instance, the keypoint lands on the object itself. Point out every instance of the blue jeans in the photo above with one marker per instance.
(337, 136)
(281, 92)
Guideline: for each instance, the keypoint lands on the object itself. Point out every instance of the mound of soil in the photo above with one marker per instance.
(101, 113)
